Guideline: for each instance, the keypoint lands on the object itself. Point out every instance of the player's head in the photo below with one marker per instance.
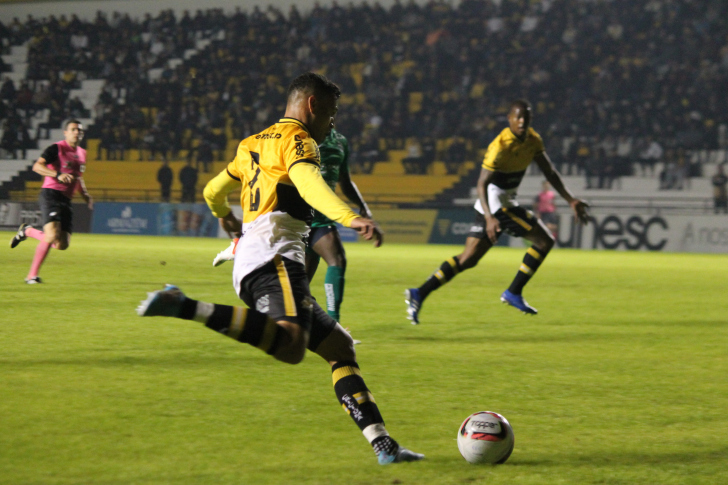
(314, 99)
(72, 131)
(519, 117)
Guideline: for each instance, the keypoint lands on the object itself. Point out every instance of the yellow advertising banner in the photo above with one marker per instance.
(406, 226)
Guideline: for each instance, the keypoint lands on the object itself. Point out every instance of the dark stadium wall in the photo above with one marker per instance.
(86, 9)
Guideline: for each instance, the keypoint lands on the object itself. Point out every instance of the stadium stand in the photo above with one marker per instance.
(622, 91)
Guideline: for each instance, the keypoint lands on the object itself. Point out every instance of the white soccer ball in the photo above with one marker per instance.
(485, 437)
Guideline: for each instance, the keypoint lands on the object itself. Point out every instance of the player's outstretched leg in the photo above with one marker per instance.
(543, 241)
(19, 236)
(475, 249)
(358, 402)
(414, 297)
(239, 323)
(352, 392)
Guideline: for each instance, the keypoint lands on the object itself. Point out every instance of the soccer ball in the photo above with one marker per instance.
(485, 437)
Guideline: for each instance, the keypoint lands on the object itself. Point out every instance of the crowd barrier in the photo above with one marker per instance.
(620, 230)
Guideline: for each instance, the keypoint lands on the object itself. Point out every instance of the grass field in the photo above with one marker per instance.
(620, 379)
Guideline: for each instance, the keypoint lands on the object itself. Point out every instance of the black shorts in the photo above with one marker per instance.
(514, 221)
(280, 290)
(56, 207)
(317, 233)
(549, 217)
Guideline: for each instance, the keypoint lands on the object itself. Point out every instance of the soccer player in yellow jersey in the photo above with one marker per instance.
(505, 164)
(279, 169)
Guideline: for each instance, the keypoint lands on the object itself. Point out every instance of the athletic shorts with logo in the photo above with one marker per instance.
(514, 221)
(280, 289)
(56, 207)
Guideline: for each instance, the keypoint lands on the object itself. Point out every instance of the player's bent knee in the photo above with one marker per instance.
(338, 346)
(545, 243)
(292, 345)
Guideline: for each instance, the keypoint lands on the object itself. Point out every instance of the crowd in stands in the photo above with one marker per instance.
(612, 82)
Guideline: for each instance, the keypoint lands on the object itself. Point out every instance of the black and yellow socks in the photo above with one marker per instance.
(531, 261)
(445, 273)
(239, 323)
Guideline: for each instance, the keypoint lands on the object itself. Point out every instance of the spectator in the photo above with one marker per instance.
(165, 178)
(651, 154)
(456, 153)
(412, 163)
(720, 196)
(204, 155)
(369, 153)
(106, 142)
(429, 150)
(188, 179)
(7, 91)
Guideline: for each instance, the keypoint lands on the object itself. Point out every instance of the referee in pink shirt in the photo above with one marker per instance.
(62, 164)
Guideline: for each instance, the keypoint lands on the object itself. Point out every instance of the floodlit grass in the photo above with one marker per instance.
(620, 379)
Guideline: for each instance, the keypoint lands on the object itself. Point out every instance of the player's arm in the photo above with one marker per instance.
(81, 187)
(41, 167)
(492, 226)
(307, 178)
(351, 191)
(216, 196)
(552, 175)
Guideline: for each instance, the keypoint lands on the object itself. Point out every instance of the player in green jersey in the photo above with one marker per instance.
(324, 240)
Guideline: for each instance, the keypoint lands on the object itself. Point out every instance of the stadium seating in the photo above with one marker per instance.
(408, 71)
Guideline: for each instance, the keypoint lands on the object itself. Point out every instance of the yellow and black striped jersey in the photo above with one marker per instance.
(509, 157)
(262, 164)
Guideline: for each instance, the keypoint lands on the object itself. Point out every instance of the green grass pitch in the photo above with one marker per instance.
(622, 378)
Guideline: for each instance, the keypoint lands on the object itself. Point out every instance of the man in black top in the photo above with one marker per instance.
(188, 179)
(165, 177)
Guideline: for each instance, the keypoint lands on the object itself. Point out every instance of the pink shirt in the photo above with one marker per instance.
(64, 159)
(546, 202)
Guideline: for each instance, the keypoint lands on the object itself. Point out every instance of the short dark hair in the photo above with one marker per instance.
(520, 103)
(314, 83)
(69, 121)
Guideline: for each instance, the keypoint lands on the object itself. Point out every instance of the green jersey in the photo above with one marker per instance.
(334, 161)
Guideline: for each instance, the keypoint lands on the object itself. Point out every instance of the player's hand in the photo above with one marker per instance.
(231, 225)
(580, 210)
(368, 229)
(90, 203)
(66, 178)
(492, 228)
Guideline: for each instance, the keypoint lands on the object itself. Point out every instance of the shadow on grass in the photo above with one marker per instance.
(170, 360)
(473, 337)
